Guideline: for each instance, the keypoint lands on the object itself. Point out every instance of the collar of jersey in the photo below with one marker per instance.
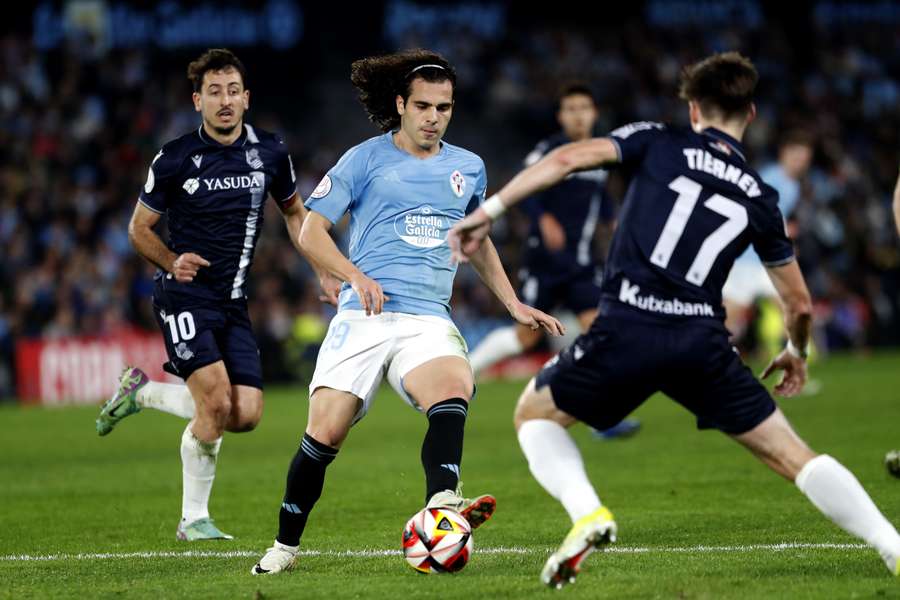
(389, 138)
(726, 139)
(240, 141)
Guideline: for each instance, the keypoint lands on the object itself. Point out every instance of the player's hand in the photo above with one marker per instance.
(466, 237)
(533, 318)
(331, 288)
(186, 266)
(371, 296)
(794, 377)
(552, 232)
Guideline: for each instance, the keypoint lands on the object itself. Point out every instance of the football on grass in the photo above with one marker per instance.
(437, 540)
(892, 462)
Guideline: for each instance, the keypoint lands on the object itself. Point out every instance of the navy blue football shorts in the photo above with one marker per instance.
(620, 362)
(577, 291)
(199, 332)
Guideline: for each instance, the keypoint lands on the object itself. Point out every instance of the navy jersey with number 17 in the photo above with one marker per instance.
(693, 206)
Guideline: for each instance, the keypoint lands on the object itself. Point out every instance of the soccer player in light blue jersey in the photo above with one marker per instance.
(404, 190)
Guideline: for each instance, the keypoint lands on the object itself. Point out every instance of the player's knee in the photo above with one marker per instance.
(330, 434)
(216, 403)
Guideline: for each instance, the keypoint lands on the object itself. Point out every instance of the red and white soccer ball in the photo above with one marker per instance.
(437, 540)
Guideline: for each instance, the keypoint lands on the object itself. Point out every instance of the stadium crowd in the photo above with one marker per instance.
(78, 130)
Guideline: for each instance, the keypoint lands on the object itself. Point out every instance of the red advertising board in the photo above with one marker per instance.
(84, 370)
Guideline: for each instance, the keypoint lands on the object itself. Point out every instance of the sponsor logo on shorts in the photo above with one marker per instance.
(630, 294)
(422, 227)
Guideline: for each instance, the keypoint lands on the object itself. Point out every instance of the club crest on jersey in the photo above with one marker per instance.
(197, 158)
(322, 189)
(191, 185)
(253, 159)
(422, 227)
(458, 184)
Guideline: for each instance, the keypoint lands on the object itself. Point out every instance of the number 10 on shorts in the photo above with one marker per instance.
(181, 325)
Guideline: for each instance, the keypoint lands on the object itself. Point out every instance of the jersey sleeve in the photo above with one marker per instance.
(284, 180)
(334, 194)
(162, 171)
(770, 240)
(633, 140)
(478, 196)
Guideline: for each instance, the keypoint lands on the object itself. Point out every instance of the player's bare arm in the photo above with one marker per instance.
(468, 235)
(294, 215)
(316, 242)
(487, 263)
(897, 205)
(149, 245)
(797, 306)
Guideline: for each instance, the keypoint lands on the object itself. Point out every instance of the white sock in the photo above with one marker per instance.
(499, 344)
(168, 397)
(837, 493)
(556, 463)
(198, 461)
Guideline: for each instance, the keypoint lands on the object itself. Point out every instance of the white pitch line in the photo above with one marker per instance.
(371, 553)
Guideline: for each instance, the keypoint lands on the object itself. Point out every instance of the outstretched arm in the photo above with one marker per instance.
(294, 216)
(487, 264)
(316, 242)
(897, 205)
(468, 235)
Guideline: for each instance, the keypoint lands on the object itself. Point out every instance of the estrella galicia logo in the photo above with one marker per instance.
(191, 185)
(253, 159)
(422, 227)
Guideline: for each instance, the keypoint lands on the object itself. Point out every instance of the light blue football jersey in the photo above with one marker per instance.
(401, 208)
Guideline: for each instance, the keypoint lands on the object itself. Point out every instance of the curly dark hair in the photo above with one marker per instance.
(721, 84)
(380, 79)
(214, 59)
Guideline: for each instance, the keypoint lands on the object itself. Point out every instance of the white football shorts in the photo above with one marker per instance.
(746, 282)
(360, 350)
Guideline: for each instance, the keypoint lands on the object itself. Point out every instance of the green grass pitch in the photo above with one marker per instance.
(698, 516)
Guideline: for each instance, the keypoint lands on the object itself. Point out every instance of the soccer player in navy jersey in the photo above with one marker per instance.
(403, 190)
(693, 206)
(211, 184)
(559, 263)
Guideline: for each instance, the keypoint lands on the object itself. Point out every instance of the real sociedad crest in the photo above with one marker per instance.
(458, 184)
(253, 159)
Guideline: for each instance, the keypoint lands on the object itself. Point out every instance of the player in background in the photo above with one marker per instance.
(403, 190)
(559, 261)
(692, 208)
(211, 184)
(748, 281)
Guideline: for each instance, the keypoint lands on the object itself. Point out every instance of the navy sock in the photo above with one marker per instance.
(443, 444)
(305, 479)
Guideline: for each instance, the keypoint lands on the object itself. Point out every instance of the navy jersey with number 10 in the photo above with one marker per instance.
(693, 206)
